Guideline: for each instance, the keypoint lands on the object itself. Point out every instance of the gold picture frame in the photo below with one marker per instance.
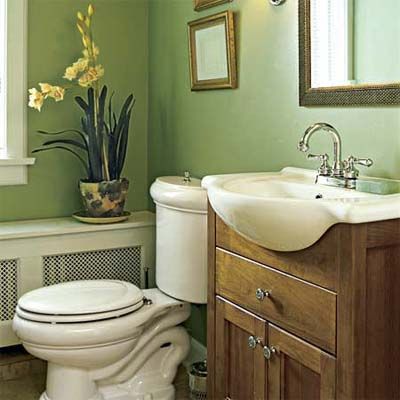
(213, 39)
(203, 4)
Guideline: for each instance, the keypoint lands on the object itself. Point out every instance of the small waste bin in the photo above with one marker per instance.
(198, 380)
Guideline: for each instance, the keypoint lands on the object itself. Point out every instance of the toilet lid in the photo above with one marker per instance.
(78, 318)
(82, 298)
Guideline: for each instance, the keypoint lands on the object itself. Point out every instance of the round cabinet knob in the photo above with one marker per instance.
(269, 351)
(253, 342)
(261, 294)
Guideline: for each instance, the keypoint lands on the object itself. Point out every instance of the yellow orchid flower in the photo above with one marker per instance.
(46, 89)
(90, 10)
(92, 75)
(36, 99)
(57, 93)
(81, 65)
(71, 73)
(80, 16)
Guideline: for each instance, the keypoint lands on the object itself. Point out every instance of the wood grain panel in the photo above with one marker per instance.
(302, 308)
(298, 370)
(383, 233)
(211, 301)
(317, 264)
(368, 347)
(301, 383)
(240, 371)
(382, 347)
(351, 313)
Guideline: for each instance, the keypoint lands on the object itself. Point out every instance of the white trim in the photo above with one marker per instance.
(198, 352)
(13, 174)
(13, 165)
(67, 226)
(17, 161)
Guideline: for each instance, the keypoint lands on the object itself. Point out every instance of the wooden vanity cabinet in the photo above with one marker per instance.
(327, 327)
(297, 371)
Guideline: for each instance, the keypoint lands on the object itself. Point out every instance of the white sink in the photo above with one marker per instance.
(283, 210)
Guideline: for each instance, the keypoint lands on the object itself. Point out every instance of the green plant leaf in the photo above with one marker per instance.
(94, 156)
(123, 114)
(83, 135)
(82, 103)
(102, 103)
(110, 113)
(66, 141)
(94, 146)
(112, 157)
(123, 144)
(39, 150)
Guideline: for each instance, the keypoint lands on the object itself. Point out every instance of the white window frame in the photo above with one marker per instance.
(13, 159)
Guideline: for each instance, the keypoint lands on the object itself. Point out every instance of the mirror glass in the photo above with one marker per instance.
(354, 42)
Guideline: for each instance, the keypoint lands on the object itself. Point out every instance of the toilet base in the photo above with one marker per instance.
(145, 374)
(167, 393)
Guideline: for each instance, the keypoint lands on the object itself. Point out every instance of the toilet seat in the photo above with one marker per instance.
(80, 301)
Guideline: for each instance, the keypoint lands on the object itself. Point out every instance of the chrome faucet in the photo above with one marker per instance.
(337, 168)
(342, 173)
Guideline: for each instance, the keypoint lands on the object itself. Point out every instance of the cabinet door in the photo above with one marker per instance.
(240, 366)
(298, 370)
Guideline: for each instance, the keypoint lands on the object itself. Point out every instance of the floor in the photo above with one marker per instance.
(23, 378)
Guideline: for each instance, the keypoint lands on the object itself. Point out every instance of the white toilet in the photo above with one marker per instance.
(109, 340)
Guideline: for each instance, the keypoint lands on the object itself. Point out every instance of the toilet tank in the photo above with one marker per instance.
(181, 239)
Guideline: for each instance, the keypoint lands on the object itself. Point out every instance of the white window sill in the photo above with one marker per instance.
(14, 171)
(16, 161)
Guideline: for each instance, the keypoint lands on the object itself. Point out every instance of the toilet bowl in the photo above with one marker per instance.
(113, 353)
(109, 340)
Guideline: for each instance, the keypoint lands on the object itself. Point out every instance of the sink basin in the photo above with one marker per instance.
(287, 211)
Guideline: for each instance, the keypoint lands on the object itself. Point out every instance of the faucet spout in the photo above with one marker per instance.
(303, 144)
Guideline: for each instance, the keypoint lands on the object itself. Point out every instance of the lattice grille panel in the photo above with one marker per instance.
(122, 264)
(8, 288)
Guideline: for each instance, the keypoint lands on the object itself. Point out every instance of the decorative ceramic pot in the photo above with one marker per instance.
(104, 199)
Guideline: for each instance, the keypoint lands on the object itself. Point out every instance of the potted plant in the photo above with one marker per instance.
(101, 143)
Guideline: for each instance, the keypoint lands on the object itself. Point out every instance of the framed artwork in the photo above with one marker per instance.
(212, 52)
(202, 4)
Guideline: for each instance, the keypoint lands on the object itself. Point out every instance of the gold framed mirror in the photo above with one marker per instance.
(346, 55)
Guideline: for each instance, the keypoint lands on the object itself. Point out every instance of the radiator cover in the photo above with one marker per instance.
(8, 288)
(124, 264)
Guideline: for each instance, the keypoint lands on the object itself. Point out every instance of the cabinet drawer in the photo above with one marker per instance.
(302, 308)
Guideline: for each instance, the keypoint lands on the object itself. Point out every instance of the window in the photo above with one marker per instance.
(3, 71)
(331, 47)
(13, 97)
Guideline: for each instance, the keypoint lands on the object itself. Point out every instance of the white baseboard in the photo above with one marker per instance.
(198, 352)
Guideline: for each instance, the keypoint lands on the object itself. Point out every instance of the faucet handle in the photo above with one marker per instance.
(350, 170)
(366, 162)
(325, 169)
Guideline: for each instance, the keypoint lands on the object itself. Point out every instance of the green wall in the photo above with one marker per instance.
(122, 33)
(256, 127)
